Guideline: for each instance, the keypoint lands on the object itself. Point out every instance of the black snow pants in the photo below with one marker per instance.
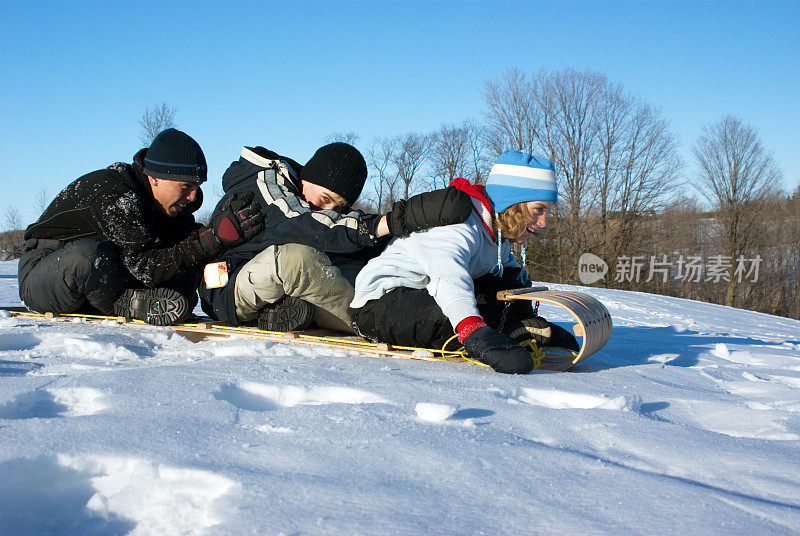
(411, 317)
(83, 276)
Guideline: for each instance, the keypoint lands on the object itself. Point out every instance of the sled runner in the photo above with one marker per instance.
(593, 325)
(593, 322)
(212, 330)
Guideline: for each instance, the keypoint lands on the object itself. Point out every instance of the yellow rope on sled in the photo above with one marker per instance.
(537, 354)
(461, 352)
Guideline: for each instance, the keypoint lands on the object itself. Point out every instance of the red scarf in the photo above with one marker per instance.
(481, 204)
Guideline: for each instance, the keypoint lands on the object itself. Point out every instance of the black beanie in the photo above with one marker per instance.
(338, 167)
(175, 156)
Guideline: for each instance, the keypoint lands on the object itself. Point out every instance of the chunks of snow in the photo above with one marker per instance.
(555, 399)
(431, 412)
(79, 401)
(720, 350)
(51, 403)
(259, 397)
(68, 494)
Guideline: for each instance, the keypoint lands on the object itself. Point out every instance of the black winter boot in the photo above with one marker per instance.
(287, 314)
(157, 306)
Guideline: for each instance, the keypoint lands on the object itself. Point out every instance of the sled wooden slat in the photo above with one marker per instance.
(214, 330)
(312, 337)
(593, 325)
(593, 322)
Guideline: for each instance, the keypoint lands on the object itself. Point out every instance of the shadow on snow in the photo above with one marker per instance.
(638, 345)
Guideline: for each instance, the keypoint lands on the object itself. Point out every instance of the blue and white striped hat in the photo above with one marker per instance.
(517, 177)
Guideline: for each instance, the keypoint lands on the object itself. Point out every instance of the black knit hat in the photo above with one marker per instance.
(175, 156)
(338, 167)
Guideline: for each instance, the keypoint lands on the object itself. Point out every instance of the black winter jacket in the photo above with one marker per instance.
(116, 204)
(288, 219)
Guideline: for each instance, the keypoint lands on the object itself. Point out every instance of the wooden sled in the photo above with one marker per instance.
(593, 326)
(593, 323)
(212, 330)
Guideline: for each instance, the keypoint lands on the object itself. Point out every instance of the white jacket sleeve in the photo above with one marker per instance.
(445, 254)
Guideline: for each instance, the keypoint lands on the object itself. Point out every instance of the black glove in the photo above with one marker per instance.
(235, 221)
(499, 351)
(542, 332)
(429, 209)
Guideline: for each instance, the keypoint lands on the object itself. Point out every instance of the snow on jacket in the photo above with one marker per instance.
(288, 219)
(442, 260)
(116, 204)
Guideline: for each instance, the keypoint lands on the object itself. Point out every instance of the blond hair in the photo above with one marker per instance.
(512, 221)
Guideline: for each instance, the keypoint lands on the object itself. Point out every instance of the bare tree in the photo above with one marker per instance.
(635, 172)
(450, 154)
(513, 115)
(42, 199)
(776, 290)
(482, 158)
(11, 218)
(794, 217)
(613, 119)
(458, 151)
(793, 253)
(737, 176)
(345, 137)
(154, 120)
(618, 170)
(13, 232)
(614, 155)
(411, 151)
(379, 157)
(567, 133)
(648, 168)
(556, 115)
(651, 163)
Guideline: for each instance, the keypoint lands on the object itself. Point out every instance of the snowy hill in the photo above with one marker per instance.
(687, 422)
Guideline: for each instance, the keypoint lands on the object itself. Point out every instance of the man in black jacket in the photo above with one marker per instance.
(300, 269)
(123, 241)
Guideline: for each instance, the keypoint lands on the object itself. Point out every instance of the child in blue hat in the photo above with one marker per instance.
(432, 284)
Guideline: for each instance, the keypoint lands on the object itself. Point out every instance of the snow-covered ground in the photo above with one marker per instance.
(688, 422)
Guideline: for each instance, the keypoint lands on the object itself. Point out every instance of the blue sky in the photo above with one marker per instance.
(75, 77)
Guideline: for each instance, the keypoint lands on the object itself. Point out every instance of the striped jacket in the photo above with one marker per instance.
(288, 219)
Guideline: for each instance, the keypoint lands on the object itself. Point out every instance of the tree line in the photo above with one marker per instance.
(725, 234)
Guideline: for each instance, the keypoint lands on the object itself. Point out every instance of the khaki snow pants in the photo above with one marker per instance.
(303, 272)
